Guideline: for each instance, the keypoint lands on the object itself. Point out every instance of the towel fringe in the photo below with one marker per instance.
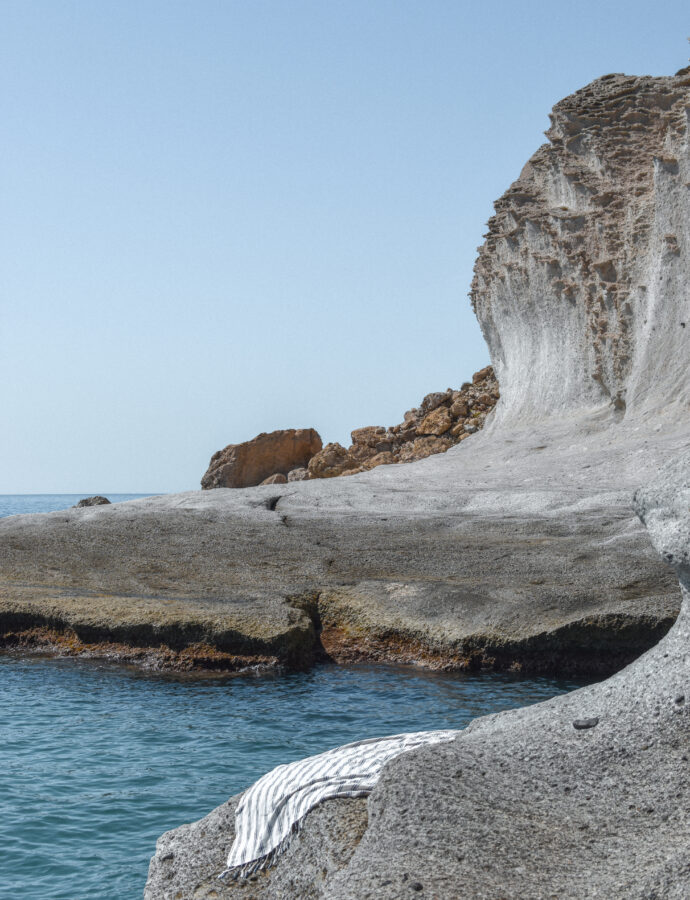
(261, 863)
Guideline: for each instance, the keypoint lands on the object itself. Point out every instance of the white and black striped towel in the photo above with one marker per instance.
(273, 809)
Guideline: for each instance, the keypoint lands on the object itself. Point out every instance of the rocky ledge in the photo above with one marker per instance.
(586, 795)
(520, 554)
(514, 549)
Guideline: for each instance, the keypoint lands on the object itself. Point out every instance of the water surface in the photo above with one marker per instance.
(97, 760)
(17, 504)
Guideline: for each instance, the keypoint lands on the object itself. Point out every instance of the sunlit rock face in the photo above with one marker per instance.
(581, 286)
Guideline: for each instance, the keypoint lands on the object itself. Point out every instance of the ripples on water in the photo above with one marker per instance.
(96, 761)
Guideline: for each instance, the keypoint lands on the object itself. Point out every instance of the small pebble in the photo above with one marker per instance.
(581, 724)
(416, 886)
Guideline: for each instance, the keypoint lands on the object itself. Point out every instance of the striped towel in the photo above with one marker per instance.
(272, 810)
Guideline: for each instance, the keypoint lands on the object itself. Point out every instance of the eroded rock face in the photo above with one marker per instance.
(92, 501)
(581, 285)
(247, 464)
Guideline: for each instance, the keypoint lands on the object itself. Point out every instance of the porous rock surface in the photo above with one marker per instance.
(590, 243)
(249, 463)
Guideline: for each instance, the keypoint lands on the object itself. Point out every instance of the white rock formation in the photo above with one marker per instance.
(581, 287)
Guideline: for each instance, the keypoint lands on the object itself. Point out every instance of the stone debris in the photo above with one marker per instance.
(443, 418)
(583, 724)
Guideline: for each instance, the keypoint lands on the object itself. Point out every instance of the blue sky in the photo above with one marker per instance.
(221, 218)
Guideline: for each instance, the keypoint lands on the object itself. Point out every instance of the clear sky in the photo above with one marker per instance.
(222, 218)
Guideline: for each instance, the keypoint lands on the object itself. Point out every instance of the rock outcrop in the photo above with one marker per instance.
(581, 285)
(583, 796)
(441, 420)
(581, 292)
(249, 463)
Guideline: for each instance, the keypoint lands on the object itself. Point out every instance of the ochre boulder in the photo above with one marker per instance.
(331, 461)
(247, 464)
(278, 478)
(437, 422)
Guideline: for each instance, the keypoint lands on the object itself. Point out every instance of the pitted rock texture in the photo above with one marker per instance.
(266, 455)
(581, 285)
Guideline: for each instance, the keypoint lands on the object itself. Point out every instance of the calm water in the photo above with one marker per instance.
(15, 504)
(96, 760)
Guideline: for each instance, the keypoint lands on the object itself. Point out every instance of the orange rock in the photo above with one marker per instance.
(278, 478)
(333, 460)
(459, 409)
(243, 465)
(381, 459)
(482, 374)
(369, 436)
(437, 422)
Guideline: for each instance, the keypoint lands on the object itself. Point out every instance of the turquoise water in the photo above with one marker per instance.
(97, 760)
(15, 504)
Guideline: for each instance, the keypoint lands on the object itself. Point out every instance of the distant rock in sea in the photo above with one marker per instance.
(92, 501)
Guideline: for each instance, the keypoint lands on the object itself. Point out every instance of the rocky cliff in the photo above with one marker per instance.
(581, 287)
(581, 291)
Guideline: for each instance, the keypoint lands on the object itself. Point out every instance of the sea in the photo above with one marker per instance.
(98, 759)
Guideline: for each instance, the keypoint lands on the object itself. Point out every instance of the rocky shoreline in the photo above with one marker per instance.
(518, 548)
(585, 795)
(598, 645)
(468, 573)
(581, 292)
